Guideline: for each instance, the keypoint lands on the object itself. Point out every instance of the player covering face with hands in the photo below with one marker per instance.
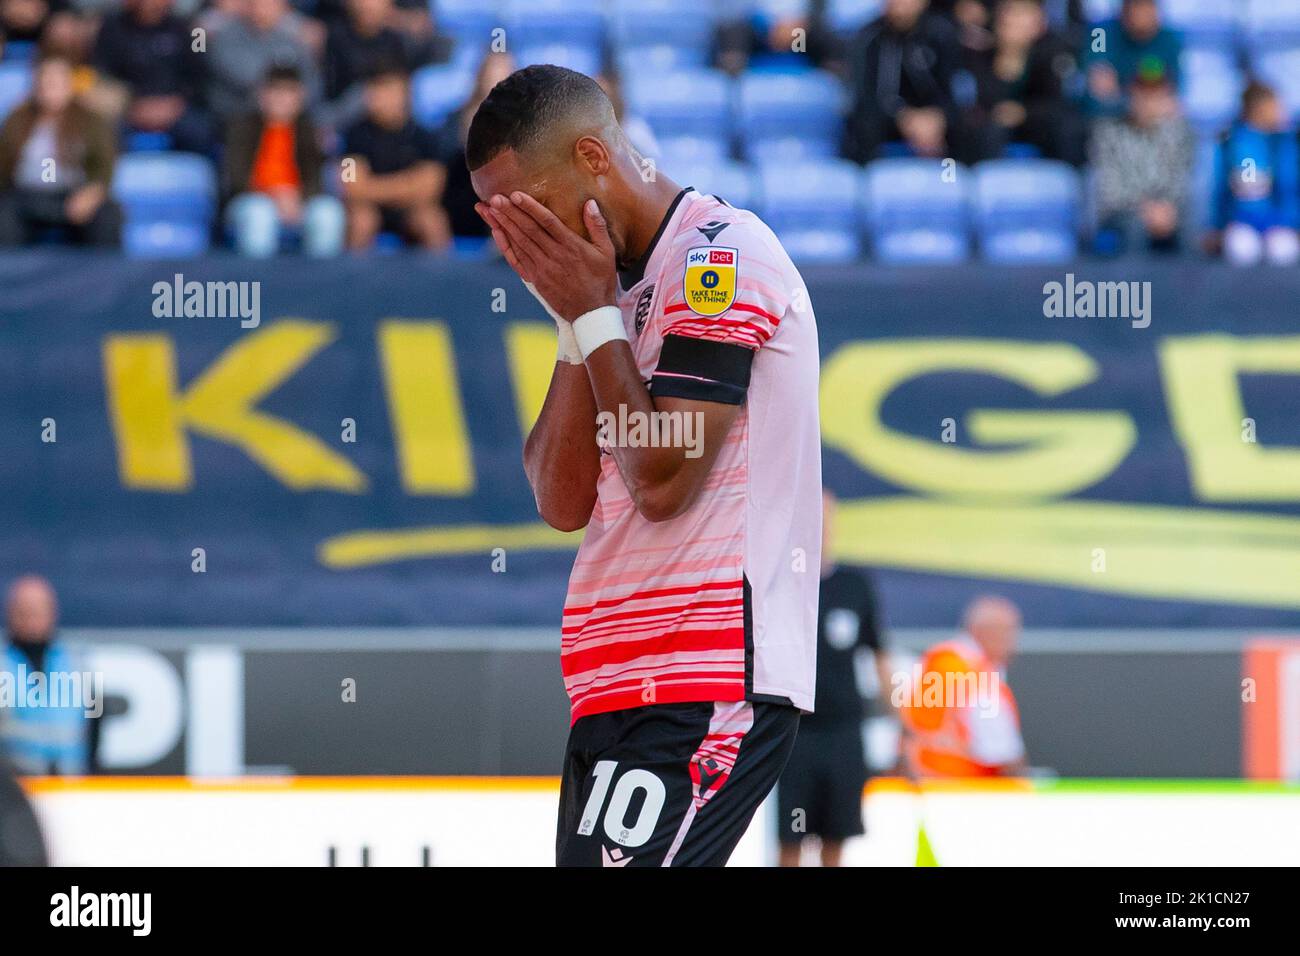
(688, 637)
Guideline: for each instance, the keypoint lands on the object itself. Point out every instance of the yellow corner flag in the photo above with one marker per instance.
(924, 852)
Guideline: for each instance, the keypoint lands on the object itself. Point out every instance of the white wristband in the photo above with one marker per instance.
(568, 350)
(568, 344)
(597, 327)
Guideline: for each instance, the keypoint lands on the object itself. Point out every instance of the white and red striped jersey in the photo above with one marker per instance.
(719, 603)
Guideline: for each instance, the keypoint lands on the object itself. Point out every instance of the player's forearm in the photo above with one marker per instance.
(561, 459)
(656, 477)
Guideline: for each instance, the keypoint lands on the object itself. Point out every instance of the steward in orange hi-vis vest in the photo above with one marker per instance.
(961, 716)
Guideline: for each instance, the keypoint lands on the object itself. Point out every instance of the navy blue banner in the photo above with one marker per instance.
(227, 442)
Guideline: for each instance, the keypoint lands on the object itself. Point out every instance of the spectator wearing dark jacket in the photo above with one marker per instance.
(901, 72)
(357, 44)
(149, 50)
(1021, 86)
(56, 166)
(272, 174)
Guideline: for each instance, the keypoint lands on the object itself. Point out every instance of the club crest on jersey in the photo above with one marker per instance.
(643, 308)
(710, 283)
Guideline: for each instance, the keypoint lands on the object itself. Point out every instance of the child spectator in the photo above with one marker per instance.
(1256, 198)
(396, 180)
(56, 164)
(272, 169)
(355, 45)
(1143, 171)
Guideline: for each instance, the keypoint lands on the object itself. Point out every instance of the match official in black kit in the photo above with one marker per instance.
(820, 792)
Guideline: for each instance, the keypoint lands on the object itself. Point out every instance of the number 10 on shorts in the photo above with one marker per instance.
(616, 826)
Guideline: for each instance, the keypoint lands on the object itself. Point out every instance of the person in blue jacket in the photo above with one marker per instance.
(42, 730)
(1256, 198)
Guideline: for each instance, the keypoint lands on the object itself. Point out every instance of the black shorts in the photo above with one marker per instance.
(820, 792)
(668, 784)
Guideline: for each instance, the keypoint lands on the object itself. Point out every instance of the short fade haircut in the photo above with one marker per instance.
(523, 107)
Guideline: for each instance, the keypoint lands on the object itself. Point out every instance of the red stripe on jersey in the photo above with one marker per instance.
(579, 660)
(660, 592)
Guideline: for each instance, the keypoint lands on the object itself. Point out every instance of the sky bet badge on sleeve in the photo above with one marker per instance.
(710, 283)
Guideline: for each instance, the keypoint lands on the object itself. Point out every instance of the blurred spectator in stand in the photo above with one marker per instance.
(242, 45)
(778, 32)
(147, 50)
(974, 19)
(1143, 168)
(1119, 51)
(962, 721)
(1256, 197)
(395, 179)
(36, 28)
(356, 44)
(43, 735)
(820, 794)
(271, 174)
(56, 165)
(410, 18)
(23, 22)
(1021, 83)
(459, 198)
(902, 68)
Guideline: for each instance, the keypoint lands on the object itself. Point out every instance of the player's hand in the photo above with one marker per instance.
(571, 273)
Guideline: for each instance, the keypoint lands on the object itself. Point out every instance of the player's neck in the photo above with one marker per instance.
(652, 202)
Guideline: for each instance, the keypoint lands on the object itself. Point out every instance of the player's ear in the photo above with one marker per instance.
(592, 154)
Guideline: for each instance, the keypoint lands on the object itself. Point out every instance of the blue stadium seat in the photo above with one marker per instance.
(653, 60)
(812, 206)
(438, 90)
(469, 22)
(1271, 24)
(142, 141)
(168, 201)
(694, 102)
(690, 150)
(662, 33)
(1281, 69)
(1203, 22)
(15, 82)
(727, 180)
(1212, 86)
(1027, 210)
(785, 116)
(20, 51)
(1098, 10)
(575, 23)
(914, 213)
(584, 59)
